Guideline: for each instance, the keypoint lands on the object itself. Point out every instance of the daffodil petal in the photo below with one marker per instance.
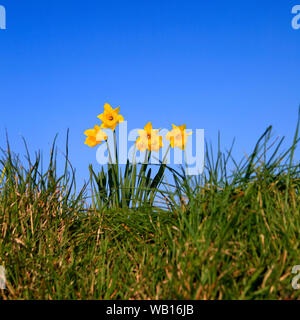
(90, 132)
(148, 127)
(101, 135)
(107, 107)
(101, 116)
(91, 142)
(155, 131)
(104, 126)
(143, 134)
(168, 135)
(120, 118)
(160, 142)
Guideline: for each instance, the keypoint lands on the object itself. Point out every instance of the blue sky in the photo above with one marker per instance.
(228, 65)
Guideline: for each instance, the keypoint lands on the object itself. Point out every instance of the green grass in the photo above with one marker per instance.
(227, 234)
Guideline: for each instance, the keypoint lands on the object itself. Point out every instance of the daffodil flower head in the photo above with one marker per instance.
(95, 136)
(178, 136)
(149, 139)
(110, 117)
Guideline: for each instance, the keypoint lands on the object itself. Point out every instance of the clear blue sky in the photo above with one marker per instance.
(228, 65)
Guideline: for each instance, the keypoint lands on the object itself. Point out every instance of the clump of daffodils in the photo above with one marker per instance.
(137, 188)
(148, 139)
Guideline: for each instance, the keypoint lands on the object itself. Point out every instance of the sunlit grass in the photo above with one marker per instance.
(227, 234)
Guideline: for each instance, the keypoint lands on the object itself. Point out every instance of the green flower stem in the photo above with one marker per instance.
(164, 159)
(185, 161)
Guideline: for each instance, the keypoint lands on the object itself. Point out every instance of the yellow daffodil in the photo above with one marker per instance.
(178, 136)
(110, 117)
(95, 136)
(148, 139)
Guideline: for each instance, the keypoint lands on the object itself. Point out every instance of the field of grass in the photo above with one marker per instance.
(227, 234)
